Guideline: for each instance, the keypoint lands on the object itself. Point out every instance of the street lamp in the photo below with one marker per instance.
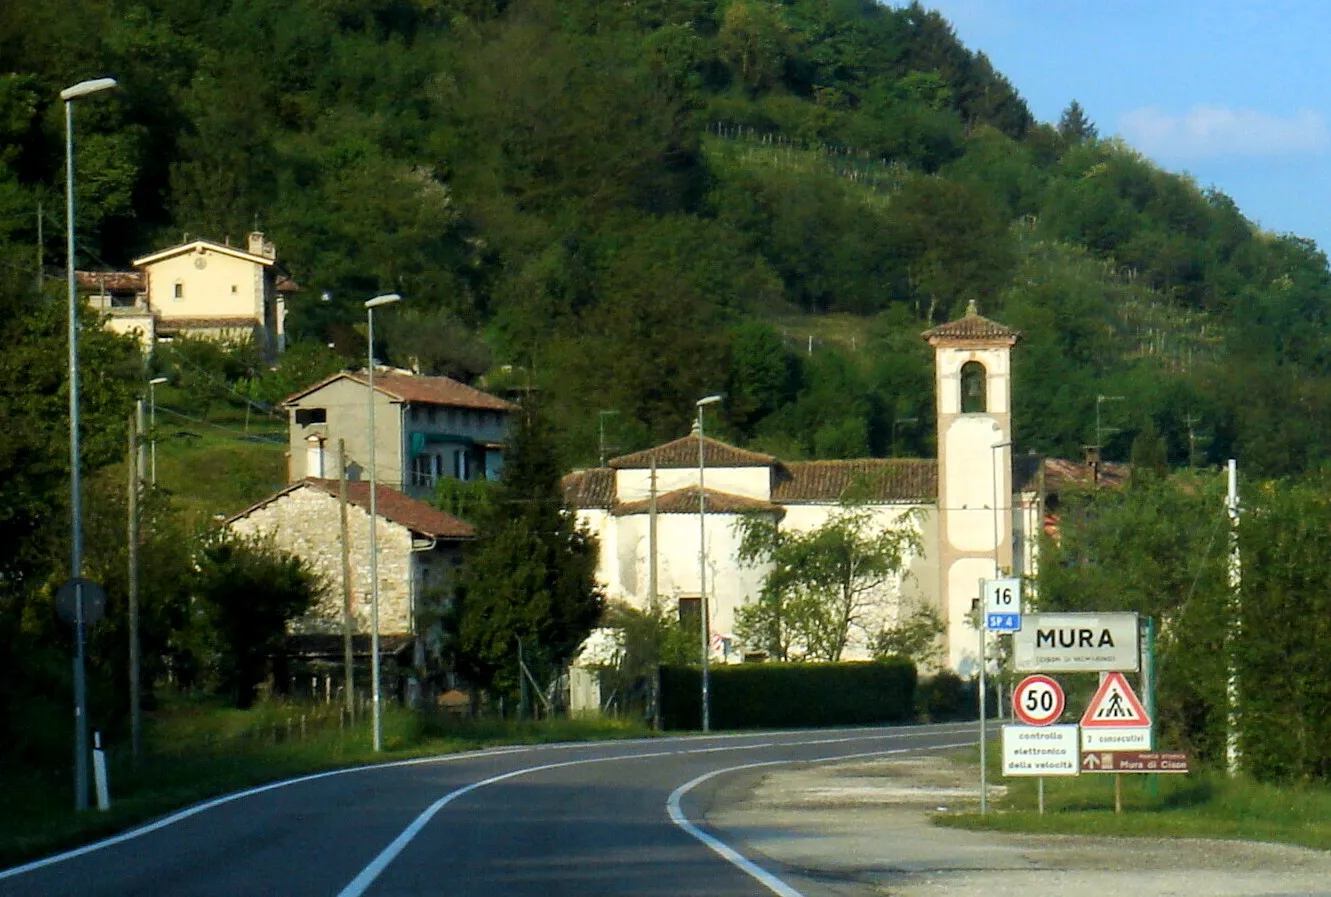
(703, 614)
(370, 306)
(152, 423)
(984, 659)
(69, 95)
(600, 420)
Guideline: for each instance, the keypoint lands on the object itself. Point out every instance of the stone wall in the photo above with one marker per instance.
(305, 522)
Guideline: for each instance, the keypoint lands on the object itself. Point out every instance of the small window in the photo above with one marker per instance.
(179, 291)
(690, 614)
(973, 399)
(234, 289)
(307, 416)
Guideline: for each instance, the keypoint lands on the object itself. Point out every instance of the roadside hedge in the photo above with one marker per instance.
(790, 695)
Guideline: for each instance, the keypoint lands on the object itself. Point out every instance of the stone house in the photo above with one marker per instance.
(426, 429)
(198, 288)
(419, 546)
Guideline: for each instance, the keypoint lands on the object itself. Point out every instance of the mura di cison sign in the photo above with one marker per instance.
(1077, 643)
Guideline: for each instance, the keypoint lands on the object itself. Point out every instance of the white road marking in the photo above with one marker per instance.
(196, 809)
(734, 857)
(361, 883)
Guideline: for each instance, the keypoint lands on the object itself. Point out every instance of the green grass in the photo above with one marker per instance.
(209, 472)
(1203, 804)
(197, 751)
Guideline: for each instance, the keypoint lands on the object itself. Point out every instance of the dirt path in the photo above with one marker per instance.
(863, 829)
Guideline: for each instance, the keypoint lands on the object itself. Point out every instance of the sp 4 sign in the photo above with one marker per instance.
(1002, 605)
(1038, 701)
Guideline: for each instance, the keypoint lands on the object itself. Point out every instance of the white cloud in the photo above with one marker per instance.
(1209, 131)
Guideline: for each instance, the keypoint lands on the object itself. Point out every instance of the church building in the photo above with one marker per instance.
(975, 511)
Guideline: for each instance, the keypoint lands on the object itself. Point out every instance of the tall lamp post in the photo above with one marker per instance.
(69, 95)
(377, 702)
(152, 424)
(984, 659)
(704, 616)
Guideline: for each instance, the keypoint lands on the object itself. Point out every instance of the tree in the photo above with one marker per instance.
(531, 574)
(1074, 127)
(822, 583)
(248, 590)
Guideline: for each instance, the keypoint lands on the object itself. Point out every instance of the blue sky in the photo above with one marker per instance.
(1235, 94)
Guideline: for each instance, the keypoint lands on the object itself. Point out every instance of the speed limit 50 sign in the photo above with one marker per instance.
(1038, 701)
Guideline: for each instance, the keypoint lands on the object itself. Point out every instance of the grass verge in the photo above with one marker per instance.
(196, 753)
(1202, 804)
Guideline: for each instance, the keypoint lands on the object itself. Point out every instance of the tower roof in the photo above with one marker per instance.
(971, 328)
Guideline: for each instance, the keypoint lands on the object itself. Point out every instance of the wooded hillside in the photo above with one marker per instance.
(628, 206)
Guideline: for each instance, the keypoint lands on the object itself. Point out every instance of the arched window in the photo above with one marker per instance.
(972, 388)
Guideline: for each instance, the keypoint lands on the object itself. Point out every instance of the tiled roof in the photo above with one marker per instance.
(685, 501)
(873, 479)
(594, 488)
(116, 281)
(684, 453)
(285, 284)
(392, 505)
(167, 325)
(423, 390)
(972, 326)
(199, 245)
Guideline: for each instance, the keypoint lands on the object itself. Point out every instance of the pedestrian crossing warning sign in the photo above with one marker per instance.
(1115, 705)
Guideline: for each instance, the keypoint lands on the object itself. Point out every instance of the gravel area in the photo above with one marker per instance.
(863, 830)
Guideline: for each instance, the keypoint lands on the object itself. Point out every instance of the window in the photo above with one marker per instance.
(233, 289)
(422, 473)
(972, 388)
(690, 614)
(460, 464)
(179, 293)
(307, 416)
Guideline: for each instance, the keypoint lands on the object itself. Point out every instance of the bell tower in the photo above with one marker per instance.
(973, 391)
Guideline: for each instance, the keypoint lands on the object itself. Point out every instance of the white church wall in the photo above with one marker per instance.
(635, 484)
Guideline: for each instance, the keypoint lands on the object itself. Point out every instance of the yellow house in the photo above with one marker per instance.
(201, 289)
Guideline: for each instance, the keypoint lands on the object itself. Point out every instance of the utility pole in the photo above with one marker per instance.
(347, 654)
(41, 258)
(132, 463)
(600, 420)
(1100, 431)
(1234, 628)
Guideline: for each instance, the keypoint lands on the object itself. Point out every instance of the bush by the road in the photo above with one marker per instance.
(780, 695)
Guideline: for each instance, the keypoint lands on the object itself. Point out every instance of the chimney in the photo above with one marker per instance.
(1093, 462)
(257, 245)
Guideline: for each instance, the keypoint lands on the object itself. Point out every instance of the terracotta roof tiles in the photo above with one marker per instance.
(594, 488)
(684, 453)
(971, 327)
(391, 505)
(873, 479)
(416, 389)
(114, 281)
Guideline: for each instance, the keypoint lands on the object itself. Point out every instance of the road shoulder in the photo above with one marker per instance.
(863, 829)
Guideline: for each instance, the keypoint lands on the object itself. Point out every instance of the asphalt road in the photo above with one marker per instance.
(586, 819)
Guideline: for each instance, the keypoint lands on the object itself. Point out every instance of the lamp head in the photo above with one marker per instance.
(386, 299)
(156, 380)
(83, 88)
(708, 400)
(1006, 443)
